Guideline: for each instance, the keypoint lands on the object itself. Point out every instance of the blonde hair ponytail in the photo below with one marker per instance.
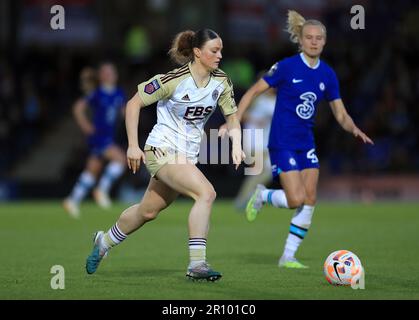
(296, 22)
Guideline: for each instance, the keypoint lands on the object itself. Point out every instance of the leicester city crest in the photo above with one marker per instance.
(215, 95)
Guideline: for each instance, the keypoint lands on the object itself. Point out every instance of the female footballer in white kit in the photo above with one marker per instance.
(186, 98)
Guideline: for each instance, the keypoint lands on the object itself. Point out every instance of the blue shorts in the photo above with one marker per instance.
(286, 160)
(98, 146)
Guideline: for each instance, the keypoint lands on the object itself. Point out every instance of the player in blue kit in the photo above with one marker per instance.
(302, 81)
(106, 104)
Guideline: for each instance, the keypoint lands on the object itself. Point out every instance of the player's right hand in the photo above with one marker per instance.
(134, 157)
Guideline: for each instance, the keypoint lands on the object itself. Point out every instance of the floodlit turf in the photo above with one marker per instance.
(151, 264)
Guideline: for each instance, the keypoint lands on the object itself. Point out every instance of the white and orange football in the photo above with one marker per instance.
(343, 268)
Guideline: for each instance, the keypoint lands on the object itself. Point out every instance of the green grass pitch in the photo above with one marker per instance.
(151, 264)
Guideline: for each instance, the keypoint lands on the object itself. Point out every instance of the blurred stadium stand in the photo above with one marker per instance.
(42, 151)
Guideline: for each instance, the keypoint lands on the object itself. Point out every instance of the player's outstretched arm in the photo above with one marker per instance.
(259, 87)
(233, 126)
(247, 99)
(132, 115)
(79, 112)
(346, 122)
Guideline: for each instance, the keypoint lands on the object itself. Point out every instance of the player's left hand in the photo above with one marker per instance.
(238, 156)
(359, 134)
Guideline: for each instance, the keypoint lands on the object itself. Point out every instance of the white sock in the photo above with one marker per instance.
(300, 223)
(291, 246)
(302, 216)
(82, 187)
(113, 237)
(277, 198)
(197, 251)
(112, 172)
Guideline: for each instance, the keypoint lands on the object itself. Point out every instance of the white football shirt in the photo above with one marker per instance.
(183, 108)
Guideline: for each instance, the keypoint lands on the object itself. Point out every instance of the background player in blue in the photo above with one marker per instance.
(106, 104)
(301, 81)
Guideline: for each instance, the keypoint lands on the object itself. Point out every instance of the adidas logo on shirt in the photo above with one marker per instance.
(186, 98)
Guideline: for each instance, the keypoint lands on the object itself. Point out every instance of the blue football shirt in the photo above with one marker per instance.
(106, 106)
(299, 90)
